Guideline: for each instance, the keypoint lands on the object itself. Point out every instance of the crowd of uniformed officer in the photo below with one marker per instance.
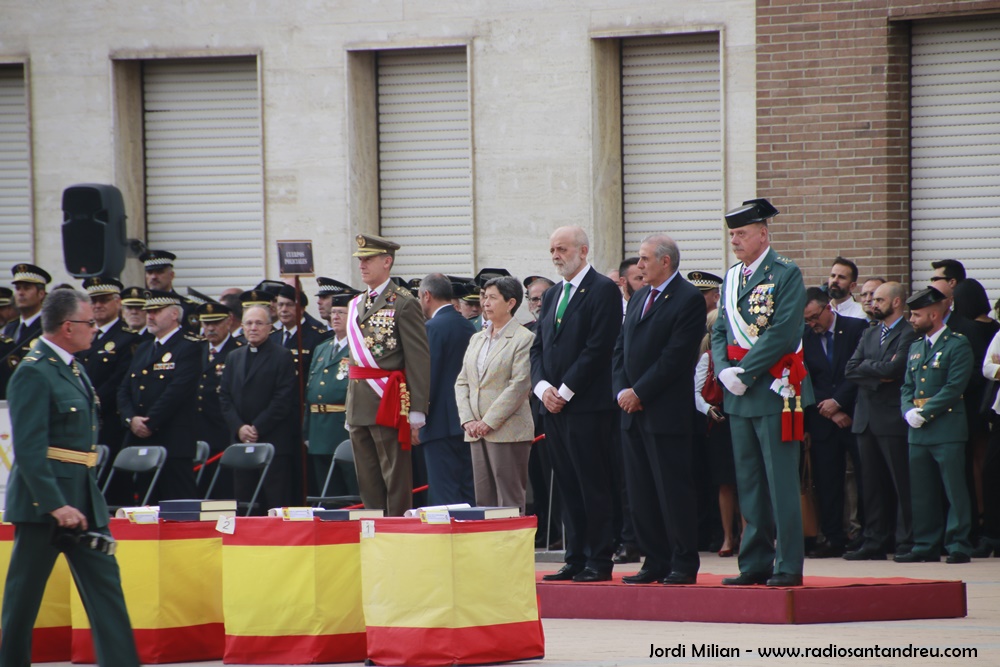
(158, 358)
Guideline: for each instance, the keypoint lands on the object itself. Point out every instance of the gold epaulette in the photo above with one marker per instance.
(194, 338)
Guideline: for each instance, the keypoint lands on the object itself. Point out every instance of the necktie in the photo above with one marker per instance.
(883, 335)
(156, 349)
(563, 302)
(649, 302)
(288, 334)
(747, 272)
(829, 346)
(18, 332)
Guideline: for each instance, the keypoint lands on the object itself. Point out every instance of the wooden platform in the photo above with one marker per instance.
(819, 600)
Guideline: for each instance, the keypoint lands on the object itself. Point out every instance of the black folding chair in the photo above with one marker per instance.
(241, 456)
(201, 453)
(103, 454)
(342, 475)
(137, 460)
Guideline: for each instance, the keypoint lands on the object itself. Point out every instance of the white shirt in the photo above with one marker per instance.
(933, 338)
(491, 337)
(700, 375)
(564, 391)
(214, 349)
(990, 369)
(167, 337)
(61, 353)
(757, 262)
(104, 329)
(849, 308)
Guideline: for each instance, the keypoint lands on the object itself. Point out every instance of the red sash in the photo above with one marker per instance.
(394, 408)
(792, 421)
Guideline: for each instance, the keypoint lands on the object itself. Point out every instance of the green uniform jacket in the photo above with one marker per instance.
(777, 296)
(50, 407)
(327, 385)
(939, 375)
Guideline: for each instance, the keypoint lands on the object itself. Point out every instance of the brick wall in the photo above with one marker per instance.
(833, 127)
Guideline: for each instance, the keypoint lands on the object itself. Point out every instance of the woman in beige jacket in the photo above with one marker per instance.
(492, 395)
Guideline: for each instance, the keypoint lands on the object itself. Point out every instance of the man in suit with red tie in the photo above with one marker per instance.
(390, 374)
(829, 341)
(571, 375)
(653, 380)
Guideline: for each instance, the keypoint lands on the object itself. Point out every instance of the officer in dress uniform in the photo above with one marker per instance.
(292, 317)
(7, 309)
(133, 301)
(326, 388)
(106, 362)
(18, 334)
(217, 322)
(756, 349)
(390, 379)
(938, 370)
(53, 413)
(157, 399)
(159, 266)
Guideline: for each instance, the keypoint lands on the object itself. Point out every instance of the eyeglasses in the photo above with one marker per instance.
(937, 278)
(534, 299)
(90, 323)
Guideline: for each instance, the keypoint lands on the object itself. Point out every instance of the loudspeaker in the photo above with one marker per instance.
(93, 230)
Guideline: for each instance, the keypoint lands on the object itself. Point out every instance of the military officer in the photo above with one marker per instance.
(133, 300)
(18, 334)
(390, 378)
(53, 413)
(159, 266)
(756, 348)
(217, 322)
(938, 370)
(106, 362)
(293, 317)
(709, 284)
(7, 309)
(157, 398)
(326, 388)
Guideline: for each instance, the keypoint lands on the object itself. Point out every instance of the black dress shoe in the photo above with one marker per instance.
(865, 554)
(679, 579)
(627, 553)
(856, 543)
(589, 575)
(747, 579)
(984, 549)
(916, 557)
(565, 574)
(642, 577)
(782, 579)
(827, 551)
(957, 557)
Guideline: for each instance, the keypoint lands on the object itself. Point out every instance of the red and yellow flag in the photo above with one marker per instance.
(453, 594)
(172, 580)
(291, 592)
(51, 639)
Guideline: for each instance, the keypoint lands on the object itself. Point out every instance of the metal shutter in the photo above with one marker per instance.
(15, 172)
(424, 146)
(672, 145)
(204, 193)
(955, 148)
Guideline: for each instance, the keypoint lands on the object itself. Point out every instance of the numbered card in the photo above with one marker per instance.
(226, 524)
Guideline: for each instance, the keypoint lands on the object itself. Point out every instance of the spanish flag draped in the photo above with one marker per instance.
(51, 639)
(292, 592)
(452, 594)
(172, 580)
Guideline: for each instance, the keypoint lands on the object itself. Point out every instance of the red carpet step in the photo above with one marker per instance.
(819, 600)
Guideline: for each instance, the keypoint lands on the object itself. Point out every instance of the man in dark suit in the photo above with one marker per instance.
(877, 368)
(106, 361)
(829, 341)
(157, 398)
(52, 486)
(217, 322)
(653, 380)
(571, 375)
(18, 334)
(446, 454)
(256, 395)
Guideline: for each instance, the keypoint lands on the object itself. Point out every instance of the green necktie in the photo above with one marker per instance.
(563, 302)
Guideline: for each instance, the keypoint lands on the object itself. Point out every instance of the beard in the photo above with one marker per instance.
(881, 315)
(836, 292)
(922, 329)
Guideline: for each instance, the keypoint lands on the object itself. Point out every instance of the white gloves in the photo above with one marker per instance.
(730, 377)
(913, 418)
